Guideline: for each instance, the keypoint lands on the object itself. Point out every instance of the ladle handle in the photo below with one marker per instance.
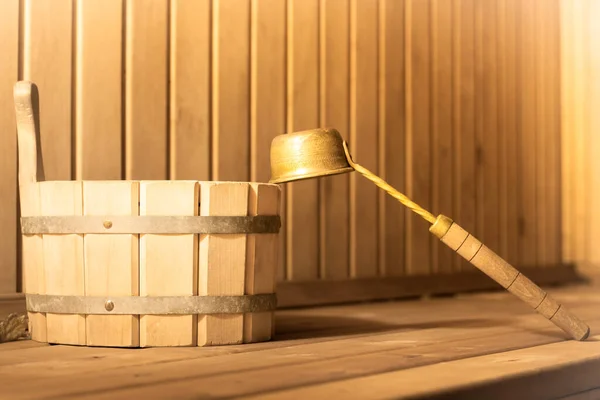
(471, 249)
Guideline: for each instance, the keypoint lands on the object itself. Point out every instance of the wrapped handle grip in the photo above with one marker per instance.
(507, 276)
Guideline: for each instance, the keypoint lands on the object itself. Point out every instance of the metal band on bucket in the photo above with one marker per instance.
(150, 224)
(155, 305)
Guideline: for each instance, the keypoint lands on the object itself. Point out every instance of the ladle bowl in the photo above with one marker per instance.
(308, 154)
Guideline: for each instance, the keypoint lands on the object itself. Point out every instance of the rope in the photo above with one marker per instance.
(389, 189)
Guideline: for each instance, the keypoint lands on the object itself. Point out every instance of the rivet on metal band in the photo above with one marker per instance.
(150, 224)
(155, 305)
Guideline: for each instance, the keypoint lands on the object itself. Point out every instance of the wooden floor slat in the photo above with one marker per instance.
(557, 369)
(319, 352)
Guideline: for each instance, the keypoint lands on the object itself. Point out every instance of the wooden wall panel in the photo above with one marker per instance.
(441, 123)
(455, 103)
(528, 251)
(464, 119)
(189, 89)
(47, 60)
(392, 133)
(418, 141)
(302, 214)
(492, 213)
(231, 90)
(580, 142)
(335, 108)
(98, 82)
(551, 166)
(268, 94)
(9, 73)
(146, 98)
(593, 138)
(507, 128)
(363, 137)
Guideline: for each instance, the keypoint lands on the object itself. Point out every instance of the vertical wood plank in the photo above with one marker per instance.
(9, 74)
(418, 145)
(261, 261)
(593, 138)
(464, 119)
(543, 123)
(189, 90)
(581, 126)
(47, 60)
(492, 213)
(480, 183)
(334, 95)
(222, 262)
(146, 89)
(111, 262)
(568, 177)
(63, 260)
(302, 209)
(231, 90)
(527, 143)
(364, 196)
(507, 129)
(503, 168)
(168, 263)
(552, 113)
(392, 133)
(98, 82)
(268, 94)
(441, 124)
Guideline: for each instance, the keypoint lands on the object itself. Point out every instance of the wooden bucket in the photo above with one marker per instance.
(143, 263)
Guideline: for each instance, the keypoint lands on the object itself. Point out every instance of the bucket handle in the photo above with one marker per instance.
(27, 109)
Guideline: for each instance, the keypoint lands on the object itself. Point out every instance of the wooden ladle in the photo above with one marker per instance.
(322, 152)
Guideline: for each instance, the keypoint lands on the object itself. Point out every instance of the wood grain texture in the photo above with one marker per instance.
(261, 262)
(552, 163)
(111, 262)
(442, 184)
(189, 89)
(268, 95)
(527, 134)
(9, 73)
(63, 260)
(593, 142)
(491, 212)
(503, 169)
(543, 123)
(507, 128)
(580, 130)
(376, 341)
(464, 119)
(231, 90)
(47, 48)
(546, 371)
(146, 89)
(98, 82)
(182, 89)
(34, 270)
(418, 144)
(302, 198)
(568, 56)
(364, 196)
(478, 15)
(307, 294)
(168, 263)
(222, 263)
(335, 110)
(392, 128)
